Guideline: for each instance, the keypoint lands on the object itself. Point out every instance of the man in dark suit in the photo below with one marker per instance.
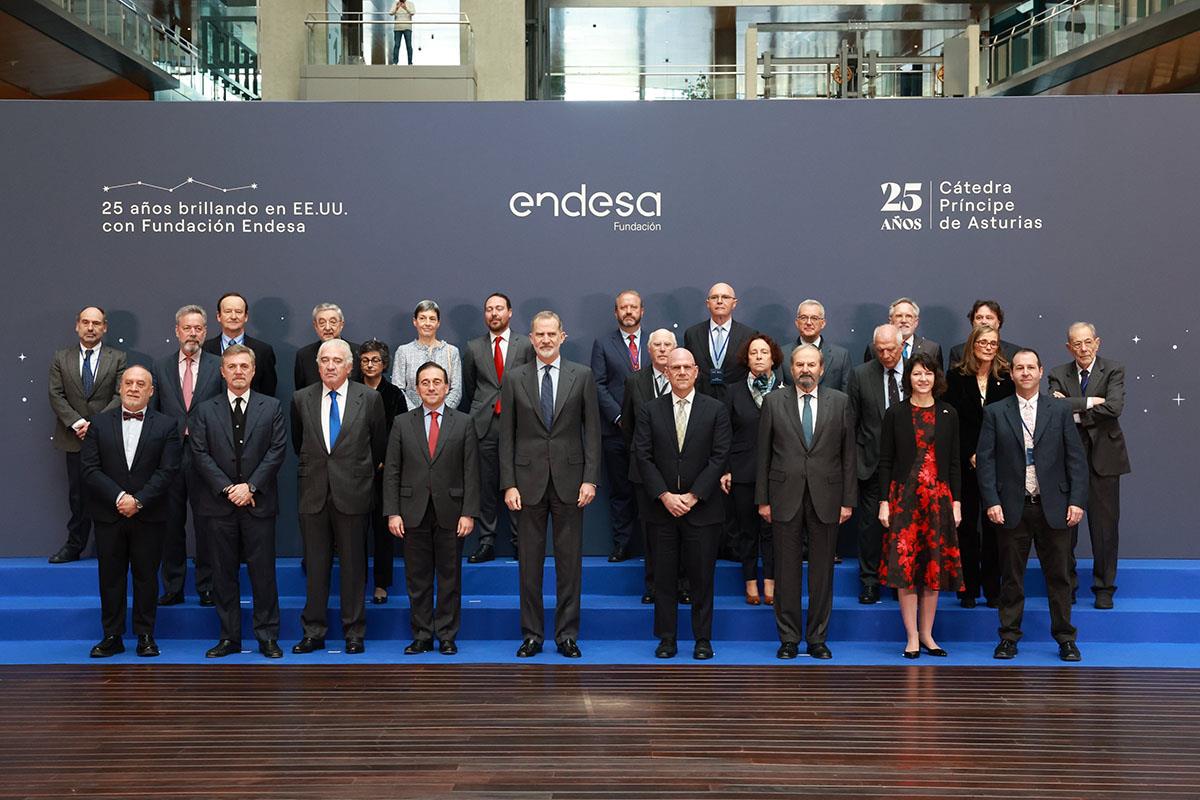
(238, 442)
(1094, 388)
(233, 313)
(806, 486)
(1033, 482)
(182, 381)
(681, 442)
(83, 382)
(431, 499)
(485, 361)
(905, 314)
(340, 434)
(614, 357)
(129, 459)
(549, 468)
(810, 323)
(873, 387)
(984, 312)
(328, 321)
(716, 342)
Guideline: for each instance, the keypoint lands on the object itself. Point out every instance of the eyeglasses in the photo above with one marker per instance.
(986, 345)
(1076, 345)
(807, 318)
(721, 297)
(373, 360)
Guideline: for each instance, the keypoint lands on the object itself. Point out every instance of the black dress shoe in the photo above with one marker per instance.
(911, 653)
(146, 646)
(937, 652)
(1103, 601)
(1006, 650)
(1067, 651)
(869, 595)
(819, 650)
(270, 648)
(703, 650)
(225, 647)
(569, 648)
(685, 598)
(666, 649)
(65, 555)
(967, 602)
(788, 650)
(206, 599)
(171, 599)
(648, 599)
(485, 552)
(529, 648)
(448, 648)
(419, 646)
(354, 646)
(108, 646)
(308, 644)
(618, 554)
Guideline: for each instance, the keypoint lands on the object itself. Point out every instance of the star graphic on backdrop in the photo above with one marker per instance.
(1136, 339)
(22, 357)
(1178, 399)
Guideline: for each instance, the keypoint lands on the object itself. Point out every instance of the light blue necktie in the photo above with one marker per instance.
(546, 401)
(806, 421)
(907, 347)
(89, 377)
(335, 420)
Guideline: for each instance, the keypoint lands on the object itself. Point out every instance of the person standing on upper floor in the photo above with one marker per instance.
(427, 319)
(716, 341)
(233, 312)
(328, 321)
(810, 322)
(984, 312)
(402, 11)
(905, 314)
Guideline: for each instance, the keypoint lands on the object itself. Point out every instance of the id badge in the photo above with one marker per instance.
(716, 377)
(1028, 456)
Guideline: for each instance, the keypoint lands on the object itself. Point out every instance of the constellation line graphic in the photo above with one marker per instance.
(189, 181)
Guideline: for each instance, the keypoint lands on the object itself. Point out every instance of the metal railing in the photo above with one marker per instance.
(370, 38)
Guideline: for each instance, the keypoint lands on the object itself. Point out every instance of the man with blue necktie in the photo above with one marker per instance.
(233, 312)
(905, 314)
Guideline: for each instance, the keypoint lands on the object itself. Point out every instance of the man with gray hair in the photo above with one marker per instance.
(905, 314)
(810, 323)
(328, 321)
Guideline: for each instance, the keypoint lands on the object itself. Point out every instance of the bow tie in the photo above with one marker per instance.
(128, 415)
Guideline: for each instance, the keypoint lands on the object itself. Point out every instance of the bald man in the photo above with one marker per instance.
(716, 341)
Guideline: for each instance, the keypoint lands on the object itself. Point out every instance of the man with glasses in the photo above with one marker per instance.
(905, 314)
(810, 322)
(716, 341)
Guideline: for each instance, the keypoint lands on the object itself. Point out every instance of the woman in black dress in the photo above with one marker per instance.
(373, 358)
(920, 481)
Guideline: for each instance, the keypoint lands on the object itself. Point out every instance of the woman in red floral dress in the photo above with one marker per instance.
(920, 475)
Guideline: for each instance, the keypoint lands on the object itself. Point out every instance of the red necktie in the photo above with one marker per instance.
(633, 353)
(433, 432)
(498, 358)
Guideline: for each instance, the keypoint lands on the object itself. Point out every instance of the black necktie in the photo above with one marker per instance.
(660, 386)
(239, 434)
(547, 398)
(893, 388)
(1083, 379)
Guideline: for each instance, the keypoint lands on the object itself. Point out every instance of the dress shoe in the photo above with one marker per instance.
(206, 599)
(648, 599)
(967, 602)
(419, 646)
(380, 597)
(911, 653)
(666, 649)
(1006, 650)
(685, 598)
(769, 599)
(171, 599)
(869, 595)
(354, 646)
(529, 648)
(485, 552)
(937, 652)
(819, 650)
(703, 650)
(618, 554)
(108, 646)
(308, 644)
(65, 555)
(788, 650)
(146, 646)
(753, 600)
(569, 648)
(225, 647)
(270, 648)
(1103, 601)
(448, 648)
(1067, 651)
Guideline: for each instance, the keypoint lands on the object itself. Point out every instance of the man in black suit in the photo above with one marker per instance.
(984, 312)
(182, 381)
(614, 357)
(238, 442)
(233, 313)
(806, 485)
(873, 387)
(681, 442)
(340, 434)
(129, 459)
(810, 324)
(549, 468)
(485, 360)
(716, 342)
(83, 382)
(328, 321)
(431, 499)
(905, 314)
(1034, 484)
(1094, 388)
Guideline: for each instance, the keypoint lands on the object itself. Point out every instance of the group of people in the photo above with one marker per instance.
(723, 444)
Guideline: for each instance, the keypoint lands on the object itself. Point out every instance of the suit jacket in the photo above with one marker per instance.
(106, 474)
(480, 383)
(306, 373)
(264, 443)
(611, 366)
(919, 345)
(865, 390)
(67, 399)
(696, 340)
(962, 392)
(639, 389)
(786, 467)
(956, 353)
(570, 448)
(898, 448)
(1058, 460)
(346, 476)
(697, 468)
(265, 380)
(837, 364)
(744, 414)
(450, 476)
(168, 391)
(1100, 424)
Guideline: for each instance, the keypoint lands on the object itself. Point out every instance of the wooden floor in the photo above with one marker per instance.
(213, 731)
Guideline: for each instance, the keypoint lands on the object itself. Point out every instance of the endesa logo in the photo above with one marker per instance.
(586, 204)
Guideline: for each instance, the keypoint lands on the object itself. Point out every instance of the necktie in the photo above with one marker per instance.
(498, 360)
(89, 377)
(547, 399)
(1029, 422)
(335, 420)
(907, 349)
(718, 353)
(680, 420)
(660, 386)
(239, 434)
(806, 421)
(128, 415)
(893, 386)
(1083, 379)
(189, 385)
(433, 432)
(633, 353)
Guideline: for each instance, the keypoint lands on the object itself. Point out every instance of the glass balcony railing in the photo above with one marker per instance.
(370, 38)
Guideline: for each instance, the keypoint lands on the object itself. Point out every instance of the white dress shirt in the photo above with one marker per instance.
(637, 338)
(661, 380)
(689, 401)
(800, 394)
(341, 406)
(887, 376)
(131, 433)
(718, 359)
(503, 337)
(555, 369)
(95, 359)
(226, 342)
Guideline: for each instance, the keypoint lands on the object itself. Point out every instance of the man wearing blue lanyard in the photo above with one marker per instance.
(716, 341)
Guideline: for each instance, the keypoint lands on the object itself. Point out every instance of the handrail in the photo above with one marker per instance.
(1026, 25)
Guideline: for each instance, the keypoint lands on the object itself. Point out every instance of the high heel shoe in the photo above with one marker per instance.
(769, 596)
(934, 651)
(379, 598)
(752, 600)
(911, 653)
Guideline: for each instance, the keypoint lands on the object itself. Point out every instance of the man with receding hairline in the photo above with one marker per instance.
(716, 342)
(233, 312)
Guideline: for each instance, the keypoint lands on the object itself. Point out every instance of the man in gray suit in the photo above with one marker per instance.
(84, 379)
(810, 323)
(431, 499)
(484, 362)
(806, 486)
(549, 468)
(340, 434)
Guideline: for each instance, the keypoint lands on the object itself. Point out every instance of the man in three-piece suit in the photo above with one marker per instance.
(485, 362)
(984, 312)
(873, 387)
(431, 499)
(182, 381)
(1094, 388)
(340, 434)
(681, 442)
(807, 486)
(129, 458)
(83, 382)
(810, 323)
(238, 443)
(328, 321)
(549, 468)
(615, 356)
(1033, 482)
(233, 313)
(716, 342)
(905, 314)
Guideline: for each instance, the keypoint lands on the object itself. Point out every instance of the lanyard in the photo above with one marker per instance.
(718, 355)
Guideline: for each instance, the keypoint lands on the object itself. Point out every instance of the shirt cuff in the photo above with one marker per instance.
(75, 425)
(1092, 402)
(122, 494)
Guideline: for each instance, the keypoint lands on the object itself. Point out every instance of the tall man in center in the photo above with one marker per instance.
(549, 468)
